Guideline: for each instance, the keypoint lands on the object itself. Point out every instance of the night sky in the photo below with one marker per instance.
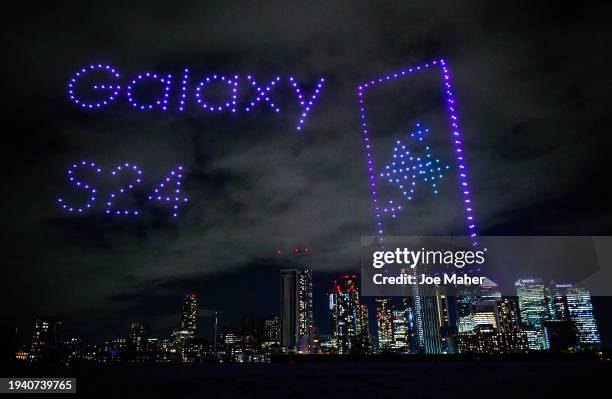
(532, 88)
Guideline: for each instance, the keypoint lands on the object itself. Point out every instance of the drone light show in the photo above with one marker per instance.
(167, 193)
(174, 94)
(404, 170)
(98, 85)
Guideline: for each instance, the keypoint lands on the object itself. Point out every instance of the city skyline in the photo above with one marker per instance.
(541, 317)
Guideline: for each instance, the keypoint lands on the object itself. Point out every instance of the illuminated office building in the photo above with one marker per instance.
(508, 315)
(138, 336)
(364, 337)
(272, 330)
(532, 302)
(465, 324)
(45, 340)
(184, 335)
(511, 336)
(466, 320)
(483, 340)
(72, 350)
(465, 317)
(489, 292)
(484, 314)
(412, 338)
(574, 304)
(493, 327)
(400, 334)
(296, 317)
(533, 310)
(384, 324)
(289, 314)
(344, 312)
(536, 341)
(306, 318)
(581, 313)
(481, 314)
(190, 313)
(137, 343)
(556, 301)
(431, 316)
(465, 299)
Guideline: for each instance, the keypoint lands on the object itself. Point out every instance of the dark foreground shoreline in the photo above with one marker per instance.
(562, 378)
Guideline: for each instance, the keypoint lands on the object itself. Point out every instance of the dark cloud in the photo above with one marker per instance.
(530, 81)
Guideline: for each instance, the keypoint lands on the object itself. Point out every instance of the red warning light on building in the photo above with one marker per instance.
(301, 250)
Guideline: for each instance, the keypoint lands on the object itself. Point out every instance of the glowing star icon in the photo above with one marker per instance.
(405, 169)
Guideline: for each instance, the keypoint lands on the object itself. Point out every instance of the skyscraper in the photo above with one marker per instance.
(489, 324)
(567, 302)
(581, 313)
(511, 336)
(272, 330)
(344, 312)
(296, 317)
(45, 340)
(465, 303)
(533, 310)
(508, 315)
(384, 324)
(412, 337)
(289, 313)
(431, 315)
(137, 342)
(190, 313)
(306, 317)
(484, 313)
(400, 331)
(364, 337)
(466, 300)
(184, 335)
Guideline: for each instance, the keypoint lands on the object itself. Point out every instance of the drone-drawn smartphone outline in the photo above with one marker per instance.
(451, 106)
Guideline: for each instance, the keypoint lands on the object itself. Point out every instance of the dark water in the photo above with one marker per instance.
(535, 379)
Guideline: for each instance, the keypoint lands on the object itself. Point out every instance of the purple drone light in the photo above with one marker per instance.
(305, 105)
(184, 93)
(263, 94)
(162, 101)
(81, 185)
(172, 196)
(231, 104)
(165, 193)
(126, 167)
(381, 210)
(112, 89)
(405, 169)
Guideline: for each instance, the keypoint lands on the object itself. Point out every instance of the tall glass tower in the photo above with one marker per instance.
(581, 313)
(384, 324)
(296, 316)
(190, 313)
(400, 331)
(533, 310)
(431, 315)
(567, 302)
(345, 314)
